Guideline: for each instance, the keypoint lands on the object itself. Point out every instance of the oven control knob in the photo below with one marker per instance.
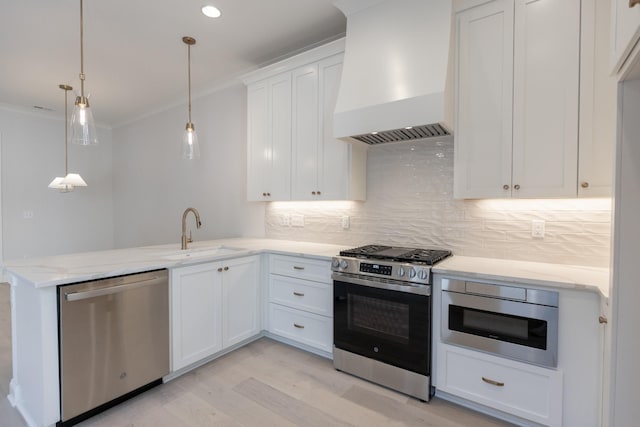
(401, 272)
(344, 263)
(335, 263)
(423, 275)
(412, 272)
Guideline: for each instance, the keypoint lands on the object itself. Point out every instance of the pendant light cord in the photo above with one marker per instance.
(81, 52)
(189, 71)
(66, 127)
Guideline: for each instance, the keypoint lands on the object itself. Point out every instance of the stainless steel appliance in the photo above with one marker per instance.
(509, 321)
(382, 316)
(114, 341)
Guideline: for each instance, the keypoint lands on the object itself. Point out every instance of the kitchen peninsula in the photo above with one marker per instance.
(35, 384)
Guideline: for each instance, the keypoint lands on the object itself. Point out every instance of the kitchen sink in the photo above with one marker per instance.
(201, 253)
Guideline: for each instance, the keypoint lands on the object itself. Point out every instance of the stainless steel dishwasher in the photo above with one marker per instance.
(114, 341)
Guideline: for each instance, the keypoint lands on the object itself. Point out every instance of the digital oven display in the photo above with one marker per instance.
(384, 270)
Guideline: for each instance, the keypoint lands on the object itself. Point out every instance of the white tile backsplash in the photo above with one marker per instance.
(410, 202)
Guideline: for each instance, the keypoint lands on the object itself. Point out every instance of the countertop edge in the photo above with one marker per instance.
(545, 275)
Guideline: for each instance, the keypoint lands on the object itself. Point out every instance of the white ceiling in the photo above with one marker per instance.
(135, 61)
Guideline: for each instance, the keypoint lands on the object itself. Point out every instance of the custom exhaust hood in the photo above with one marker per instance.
(394, 71)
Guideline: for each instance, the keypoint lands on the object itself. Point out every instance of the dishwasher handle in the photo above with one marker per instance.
(77, 296)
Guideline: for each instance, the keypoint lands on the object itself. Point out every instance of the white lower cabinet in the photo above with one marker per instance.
(240, 300)
(300, 304)
(213, 306)
(519, 389)
(301, 326)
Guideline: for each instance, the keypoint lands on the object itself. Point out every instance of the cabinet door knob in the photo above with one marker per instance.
(226, 269)
(318, 193)
(493, 382)
(516, 187)
(505, 187)
(219, 269)
(603, 319)
(313, 192)
(584, 185)
(633, 2)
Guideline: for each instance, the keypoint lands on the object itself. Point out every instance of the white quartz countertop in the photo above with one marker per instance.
(79, 267)
(540, 274)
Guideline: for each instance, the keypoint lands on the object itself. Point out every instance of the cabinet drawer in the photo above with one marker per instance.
(519, 389)
(302, 268)
(301, 294)
(306, 328)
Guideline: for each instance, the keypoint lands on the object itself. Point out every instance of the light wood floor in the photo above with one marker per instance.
(265, 383)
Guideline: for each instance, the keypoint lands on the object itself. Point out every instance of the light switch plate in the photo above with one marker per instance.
(346, 222)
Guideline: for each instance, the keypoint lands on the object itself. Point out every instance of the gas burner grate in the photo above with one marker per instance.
(399, 254)
(364, 251)
(424, 256)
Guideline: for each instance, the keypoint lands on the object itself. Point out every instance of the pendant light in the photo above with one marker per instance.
(190, 147)
(70, 181)
(83, 129)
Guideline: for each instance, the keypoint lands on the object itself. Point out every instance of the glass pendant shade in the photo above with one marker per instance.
(190, 146)
(70, 181)
(83, 128)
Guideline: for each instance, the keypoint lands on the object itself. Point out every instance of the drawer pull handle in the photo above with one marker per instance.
(492, 382)
(295, 267)
(298, 294)
(298, 326)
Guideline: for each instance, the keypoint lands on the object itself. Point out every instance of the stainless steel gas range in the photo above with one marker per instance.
(382, 315)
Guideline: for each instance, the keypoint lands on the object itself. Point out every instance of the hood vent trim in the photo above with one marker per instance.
(399, 135)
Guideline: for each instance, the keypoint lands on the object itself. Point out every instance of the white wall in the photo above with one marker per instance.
(32, 155)
(153, 185)
(410, 202)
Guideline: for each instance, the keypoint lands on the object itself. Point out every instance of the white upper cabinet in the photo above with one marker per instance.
(269, 134)
(545, 98)
(598, 91)
(625, 25)
(518, 83)
(323, 167)
(484, 93)
(316, 165)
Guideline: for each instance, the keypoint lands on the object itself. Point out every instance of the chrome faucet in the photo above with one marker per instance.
(186, 239)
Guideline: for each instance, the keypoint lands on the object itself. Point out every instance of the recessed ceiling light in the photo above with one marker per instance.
(211, 11)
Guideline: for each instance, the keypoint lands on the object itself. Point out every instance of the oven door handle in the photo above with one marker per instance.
(389, 285)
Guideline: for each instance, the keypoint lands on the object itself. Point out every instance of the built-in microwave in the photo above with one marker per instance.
(509, 321)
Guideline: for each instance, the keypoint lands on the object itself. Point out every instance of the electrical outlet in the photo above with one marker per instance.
(297, 220)
(537, 228)
(27, 214)
(285, 220)
(346, 222)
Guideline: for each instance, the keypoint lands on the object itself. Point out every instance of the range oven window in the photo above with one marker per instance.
(499, 326)
(389, 326)
(385, 319)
